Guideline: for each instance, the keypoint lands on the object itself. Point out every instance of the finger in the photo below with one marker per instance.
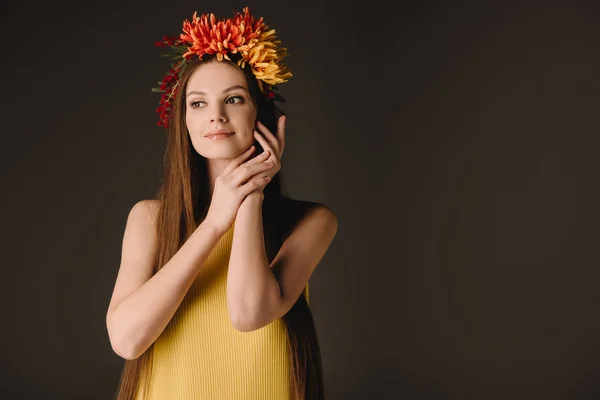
(265, 131)
(238, 160)
(266, 145)
(251, 172)
(268, 136)
(255, 184)
(281, 131)
(259, 158)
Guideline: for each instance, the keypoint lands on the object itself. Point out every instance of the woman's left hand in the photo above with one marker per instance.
(273, 144)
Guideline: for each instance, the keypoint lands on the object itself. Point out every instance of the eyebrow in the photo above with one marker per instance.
(229, 89)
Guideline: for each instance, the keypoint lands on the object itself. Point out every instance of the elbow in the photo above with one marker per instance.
(121, 344)
(242, 323)
(243, 319)
(247, 317)
(123, 350)
(250, 321)
(243, 327)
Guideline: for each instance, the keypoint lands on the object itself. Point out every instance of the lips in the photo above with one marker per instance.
(219, 132)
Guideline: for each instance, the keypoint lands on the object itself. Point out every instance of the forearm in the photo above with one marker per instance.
(140, 318)
(251, 285)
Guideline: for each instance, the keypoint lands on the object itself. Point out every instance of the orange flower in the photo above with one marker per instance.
(248, 25)
(209, 36)
(241, 34)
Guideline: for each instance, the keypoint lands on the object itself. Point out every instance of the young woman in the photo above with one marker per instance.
(211, 297)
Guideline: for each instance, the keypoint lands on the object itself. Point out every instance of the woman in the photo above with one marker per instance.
(211, 298)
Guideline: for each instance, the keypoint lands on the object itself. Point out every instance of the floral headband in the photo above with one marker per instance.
(243, 34)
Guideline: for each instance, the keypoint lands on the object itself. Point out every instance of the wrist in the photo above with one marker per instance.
(209, 226)
(255, 196)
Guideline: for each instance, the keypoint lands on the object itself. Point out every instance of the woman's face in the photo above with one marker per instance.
(217, 99)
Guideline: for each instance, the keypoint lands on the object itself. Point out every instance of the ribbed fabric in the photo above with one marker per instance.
(200, 355)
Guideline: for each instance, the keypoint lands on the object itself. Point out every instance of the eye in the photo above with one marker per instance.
(239, 99)
(192, 104)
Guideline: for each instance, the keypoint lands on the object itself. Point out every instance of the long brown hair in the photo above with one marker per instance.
(184, 199)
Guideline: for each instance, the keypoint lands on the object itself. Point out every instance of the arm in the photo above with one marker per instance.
(142, 304)
(259, 293)
(250, 282)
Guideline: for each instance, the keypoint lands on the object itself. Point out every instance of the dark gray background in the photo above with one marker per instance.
(456, 141)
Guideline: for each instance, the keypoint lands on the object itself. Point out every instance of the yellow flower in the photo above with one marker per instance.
(265, 58)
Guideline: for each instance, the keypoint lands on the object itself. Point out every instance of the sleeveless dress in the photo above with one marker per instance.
(200, 355)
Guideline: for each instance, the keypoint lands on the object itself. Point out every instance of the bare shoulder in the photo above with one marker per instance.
(152, 207)
(296, 211)
(294, 205)
(142, 216)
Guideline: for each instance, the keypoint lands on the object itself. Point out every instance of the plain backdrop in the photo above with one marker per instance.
(457, 143)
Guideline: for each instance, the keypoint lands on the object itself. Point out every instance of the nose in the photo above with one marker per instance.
(217, 114)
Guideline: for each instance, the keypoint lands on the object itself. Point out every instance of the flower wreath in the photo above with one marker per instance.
(243, 34)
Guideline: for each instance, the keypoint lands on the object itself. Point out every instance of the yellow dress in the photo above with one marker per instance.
(200, 355)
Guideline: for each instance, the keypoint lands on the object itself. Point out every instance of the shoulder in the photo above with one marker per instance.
(145, 211)
(295, 205)
(296, 211)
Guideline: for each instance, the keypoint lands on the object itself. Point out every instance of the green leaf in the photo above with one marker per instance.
(157, 89)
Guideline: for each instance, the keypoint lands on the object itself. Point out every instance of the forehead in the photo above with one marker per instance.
(215, 76)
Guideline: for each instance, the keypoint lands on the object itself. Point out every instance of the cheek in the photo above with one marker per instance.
(249, 117)
(192, 120)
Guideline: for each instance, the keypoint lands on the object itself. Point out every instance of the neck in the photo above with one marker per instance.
(214, 168)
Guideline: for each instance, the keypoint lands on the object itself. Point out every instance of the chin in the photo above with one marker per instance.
(223, 150)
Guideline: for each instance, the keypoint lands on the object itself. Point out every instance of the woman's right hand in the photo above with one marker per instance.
(236, 181)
